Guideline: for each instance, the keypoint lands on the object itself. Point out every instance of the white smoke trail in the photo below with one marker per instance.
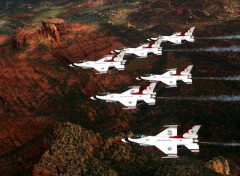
(232, 48)
(221, 49)
(234, 144)
(221, 98)
(227, 37)
(229, 78)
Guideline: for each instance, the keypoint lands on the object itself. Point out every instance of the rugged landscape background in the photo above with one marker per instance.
(47, 126)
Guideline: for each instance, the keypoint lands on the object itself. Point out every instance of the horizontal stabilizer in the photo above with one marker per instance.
(173, 126)
(193, 147)
(170, 156)
(151, 101)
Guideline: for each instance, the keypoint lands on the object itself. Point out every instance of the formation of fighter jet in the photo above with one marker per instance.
(145, 49)
(135, 95)
(131, 97)
(102, 65)
(168, 140)
(177, 37)
(171, 77)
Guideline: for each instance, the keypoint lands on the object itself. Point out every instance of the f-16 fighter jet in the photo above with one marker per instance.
(102, 65)
(131, 97)
(145, 49)
(168, 141)
(171, 77)
(177, 37)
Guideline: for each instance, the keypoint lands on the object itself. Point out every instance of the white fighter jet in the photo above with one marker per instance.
(102, 65)
(177, 37)
(168, 141)
(144, 49)
(171, 77)
(130, 98)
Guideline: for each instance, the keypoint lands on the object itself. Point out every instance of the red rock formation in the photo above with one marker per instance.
(31, 35)
(3, 39)
(26, 36)
(219, 165)
(59, 23)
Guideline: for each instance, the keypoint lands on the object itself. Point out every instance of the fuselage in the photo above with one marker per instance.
(116, 97)
(154, 140)
(142, 51)
(177, 38)
(92, 64)
(156, 78)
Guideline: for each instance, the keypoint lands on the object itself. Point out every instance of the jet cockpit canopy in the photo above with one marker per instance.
(138, 136)
(104, 93)
(81, 61)
(147, 75)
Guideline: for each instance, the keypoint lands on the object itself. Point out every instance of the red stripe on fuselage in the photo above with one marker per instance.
(112, 59)
(179, 72)
(178, 136)
(141, 90)
(182, 34)
(150, 44)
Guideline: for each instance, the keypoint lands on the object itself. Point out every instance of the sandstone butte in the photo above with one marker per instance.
(31, 34)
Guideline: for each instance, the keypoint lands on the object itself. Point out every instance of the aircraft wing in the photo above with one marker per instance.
(129, 102)
(102, 68)
(170, 72)
(175, 41)
(171, 131)
(140, 53)
(170, 82)
(132, 90)
(104, 58)
(168, 148)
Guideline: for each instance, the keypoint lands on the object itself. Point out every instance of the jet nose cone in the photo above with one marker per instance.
(138, 78)
(92, 98)
(124, 141)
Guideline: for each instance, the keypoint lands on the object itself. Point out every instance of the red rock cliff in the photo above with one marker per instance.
(31, 35)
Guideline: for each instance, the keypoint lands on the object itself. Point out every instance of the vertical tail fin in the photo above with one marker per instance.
(189, 32)
(116, 57)
(187, 70)
(120, 56)
(147, 90)
(158, 42)
(192, 132)
(150, 88)
(155, 43)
